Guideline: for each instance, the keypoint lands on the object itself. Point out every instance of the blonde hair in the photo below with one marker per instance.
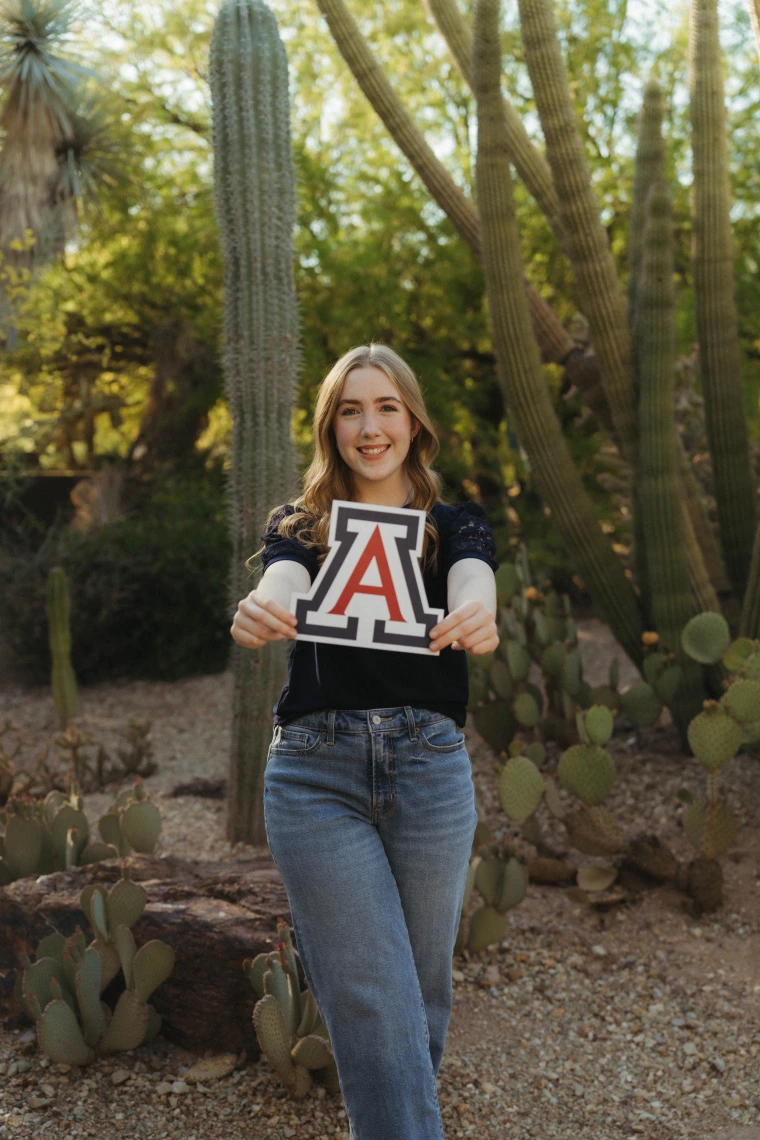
(329, 477)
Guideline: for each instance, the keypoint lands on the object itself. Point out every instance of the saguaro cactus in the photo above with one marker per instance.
(59, 634)
(717, 323)
(255, 205)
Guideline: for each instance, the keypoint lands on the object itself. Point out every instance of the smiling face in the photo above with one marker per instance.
(373, 432)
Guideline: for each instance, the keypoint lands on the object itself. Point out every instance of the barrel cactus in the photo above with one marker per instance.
(288, 1024)
(61, 989)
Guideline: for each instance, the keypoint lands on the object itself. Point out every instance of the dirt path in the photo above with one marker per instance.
(583, 1024)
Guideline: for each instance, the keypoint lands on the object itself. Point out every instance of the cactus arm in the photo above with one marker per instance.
(518, 365)
(716, 316)
(701, 525)
(588, 247)
(649, 165)
(530, 164)
(254, 196)
(556, 343)
(658, 484)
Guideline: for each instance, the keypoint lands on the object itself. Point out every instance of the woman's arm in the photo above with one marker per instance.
(471, 598)
(264, 615)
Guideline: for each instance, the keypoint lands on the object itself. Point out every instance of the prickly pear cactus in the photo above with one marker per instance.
(288, 1024)
(42, 836)
(61, 989)
(133, 821)
(535, 628)
(501, 879)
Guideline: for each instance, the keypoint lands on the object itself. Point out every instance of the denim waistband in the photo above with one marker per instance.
(392, 719)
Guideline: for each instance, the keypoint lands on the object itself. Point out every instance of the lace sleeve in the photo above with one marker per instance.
(471, 536)
(278, 546)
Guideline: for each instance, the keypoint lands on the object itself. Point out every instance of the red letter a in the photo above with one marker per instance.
(373, 550)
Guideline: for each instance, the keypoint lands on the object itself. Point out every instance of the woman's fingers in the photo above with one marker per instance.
(260, 620)
(460, 626)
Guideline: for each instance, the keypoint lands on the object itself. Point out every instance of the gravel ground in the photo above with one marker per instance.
(586, 1023)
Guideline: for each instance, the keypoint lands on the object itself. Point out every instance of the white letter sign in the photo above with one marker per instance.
(369, 590)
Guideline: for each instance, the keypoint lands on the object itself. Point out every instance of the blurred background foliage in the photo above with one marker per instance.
(111, 355)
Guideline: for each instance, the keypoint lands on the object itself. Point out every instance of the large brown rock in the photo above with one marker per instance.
(213, 915)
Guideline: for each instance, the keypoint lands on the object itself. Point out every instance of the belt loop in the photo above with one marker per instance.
(331, 727)
(410, 722)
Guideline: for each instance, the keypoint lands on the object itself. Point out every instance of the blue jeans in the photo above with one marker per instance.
(370, 816)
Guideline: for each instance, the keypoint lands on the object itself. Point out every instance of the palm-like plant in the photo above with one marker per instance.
(42, 128)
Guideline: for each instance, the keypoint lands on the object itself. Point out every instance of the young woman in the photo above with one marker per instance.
(368, 796)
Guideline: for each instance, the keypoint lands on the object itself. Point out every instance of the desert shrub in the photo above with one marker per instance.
(148, 594)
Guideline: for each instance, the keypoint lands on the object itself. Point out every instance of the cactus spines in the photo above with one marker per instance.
(588, 772)
(59, 634)
(715, 306)
(714, 736)
(706, 637)
(521, 787)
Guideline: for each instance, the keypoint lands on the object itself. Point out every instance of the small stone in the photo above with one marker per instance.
(457, 975)
(164, 1088)
(599, 951)
(119, 1076)
(38, 1101)
(180, 1087)
(718, 1063)
(491, 976)
(690, 1048)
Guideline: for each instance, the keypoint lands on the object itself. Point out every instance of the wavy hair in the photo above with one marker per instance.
(329, 477)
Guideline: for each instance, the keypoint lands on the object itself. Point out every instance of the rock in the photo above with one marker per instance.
(599, 951)
(212, 1068)
(207, 912)
(119, 1076)
(180, 1087)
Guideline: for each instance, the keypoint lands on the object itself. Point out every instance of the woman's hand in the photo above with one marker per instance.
(470, 626)
(260, 619)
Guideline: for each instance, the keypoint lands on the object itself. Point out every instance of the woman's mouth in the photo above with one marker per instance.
(374, 451)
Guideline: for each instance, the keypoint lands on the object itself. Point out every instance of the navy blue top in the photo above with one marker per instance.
(325, 676)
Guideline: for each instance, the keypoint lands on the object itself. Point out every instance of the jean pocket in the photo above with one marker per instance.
(294, 740)
(442, 736)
